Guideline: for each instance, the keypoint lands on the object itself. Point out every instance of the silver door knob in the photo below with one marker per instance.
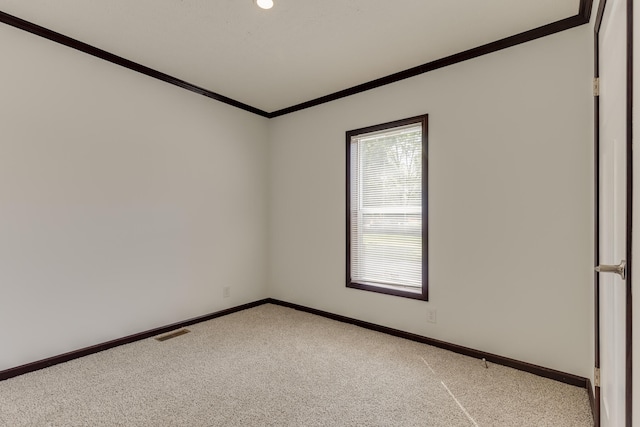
(620, 269)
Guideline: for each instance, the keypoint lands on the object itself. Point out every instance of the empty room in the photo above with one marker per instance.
(358, 213)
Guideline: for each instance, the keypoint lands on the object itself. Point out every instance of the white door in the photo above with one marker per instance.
(612, 211)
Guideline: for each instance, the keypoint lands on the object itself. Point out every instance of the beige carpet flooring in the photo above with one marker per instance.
(274, 366)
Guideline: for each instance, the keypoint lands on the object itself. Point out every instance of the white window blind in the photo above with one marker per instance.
(386, 207)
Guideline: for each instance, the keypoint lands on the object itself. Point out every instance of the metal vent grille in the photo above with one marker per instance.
(172, 334)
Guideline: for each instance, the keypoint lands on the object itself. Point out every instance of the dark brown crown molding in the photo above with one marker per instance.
(583, 16)
(585, 10)
(546, 30)
(107, 56)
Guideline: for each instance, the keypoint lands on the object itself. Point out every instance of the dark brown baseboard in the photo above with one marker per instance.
(516, 364)
(489, 357)
(45, 363)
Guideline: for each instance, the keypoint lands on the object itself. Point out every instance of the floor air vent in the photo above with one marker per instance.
(172, 334)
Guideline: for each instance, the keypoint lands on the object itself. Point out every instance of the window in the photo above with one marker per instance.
(387, 208)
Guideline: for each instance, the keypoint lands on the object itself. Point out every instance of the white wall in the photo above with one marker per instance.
(125, 203)
(119, 214)
(510, 197)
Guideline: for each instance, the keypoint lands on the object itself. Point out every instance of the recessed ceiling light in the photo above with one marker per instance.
(265, 4)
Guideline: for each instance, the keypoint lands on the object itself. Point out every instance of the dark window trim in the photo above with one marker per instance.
(424, 295)
(581, 18)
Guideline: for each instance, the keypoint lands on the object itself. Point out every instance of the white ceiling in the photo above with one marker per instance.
(297, 51)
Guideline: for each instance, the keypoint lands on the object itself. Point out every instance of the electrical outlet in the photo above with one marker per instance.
(226, 292)
(431, 315)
